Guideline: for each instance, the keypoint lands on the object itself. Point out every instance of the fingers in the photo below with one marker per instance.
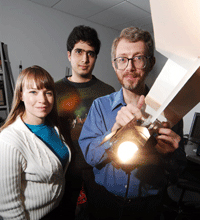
(168, 135)
(165, 124)
(133, 112)
(127, 113)
(141, 101)
(164, 148)
(168, 141)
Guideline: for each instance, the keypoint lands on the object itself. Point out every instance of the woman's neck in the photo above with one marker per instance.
(32, 121)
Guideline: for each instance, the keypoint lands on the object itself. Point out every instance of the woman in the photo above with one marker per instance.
(33, 155)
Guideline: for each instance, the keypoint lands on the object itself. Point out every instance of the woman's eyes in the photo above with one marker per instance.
(49, 93)
(33, 92)
(36, 92)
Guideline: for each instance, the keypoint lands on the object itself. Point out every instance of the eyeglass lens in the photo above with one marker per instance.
(122, 62)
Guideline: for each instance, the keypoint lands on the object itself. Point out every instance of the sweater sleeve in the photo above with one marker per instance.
(11, 169)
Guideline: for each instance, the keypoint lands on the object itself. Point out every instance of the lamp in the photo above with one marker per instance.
(134, 144)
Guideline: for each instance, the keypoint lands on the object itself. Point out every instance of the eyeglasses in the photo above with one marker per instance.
(80, 52)
(139, 62)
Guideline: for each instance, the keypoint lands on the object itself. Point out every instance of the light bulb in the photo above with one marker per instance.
(126, 151)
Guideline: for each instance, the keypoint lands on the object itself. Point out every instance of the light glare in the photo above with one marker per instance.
(126, 151)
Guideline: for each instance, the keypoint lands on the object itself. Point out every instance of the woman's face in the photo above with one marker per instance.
(38, 103)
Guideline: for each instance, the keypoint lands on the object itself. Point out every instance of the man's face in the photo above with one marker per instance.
(82, 58)
(131, 78)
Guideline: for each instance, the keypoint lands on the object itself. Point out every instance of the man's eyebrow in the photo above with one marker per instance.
(135, 54)
(90, 51)
(121, 54)
(85, 50)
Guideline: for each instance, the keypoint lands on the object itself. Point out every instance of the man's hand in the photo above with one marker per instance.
(127, 113)
(167, 140)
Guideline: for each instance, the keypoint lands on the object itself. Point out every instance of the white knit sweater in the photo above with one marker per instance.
(31, 176)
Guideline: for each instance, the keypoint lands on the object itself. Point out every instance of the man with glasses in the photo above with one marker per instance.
(139, 193)
(75, 94)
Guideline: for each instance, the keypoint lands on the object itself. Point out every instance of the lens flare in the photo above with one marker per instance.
(126, 151)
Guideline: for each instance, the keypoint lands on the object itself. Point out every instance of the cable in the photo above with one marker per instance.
(126, 194)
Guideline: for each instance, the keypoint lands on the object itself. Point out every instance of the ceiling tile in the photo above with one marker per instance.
(85, 8)
(137, 23)
(116, 14)
(144, 4)
(146, 20)
(119, 14)
(148, 27)
(48, 3)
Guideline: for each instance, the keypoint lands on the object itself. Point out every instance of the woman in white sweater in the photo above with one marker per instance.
(33, 155)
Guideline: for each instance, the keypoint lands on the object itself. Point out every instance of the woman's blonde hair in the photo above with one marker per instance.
(42, 79)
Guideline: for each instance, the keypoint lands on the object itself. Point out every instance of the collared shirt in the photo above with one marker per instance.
(99, 122)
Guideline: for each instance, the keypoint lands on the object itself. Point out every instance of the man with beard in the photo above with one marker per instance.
(139, 194)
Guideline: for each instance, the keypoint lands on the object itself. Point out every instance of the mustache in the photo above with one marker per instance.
(131, 74)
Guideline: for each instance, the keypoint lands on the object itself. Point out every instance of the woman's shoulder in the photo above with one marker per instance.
(14, 132)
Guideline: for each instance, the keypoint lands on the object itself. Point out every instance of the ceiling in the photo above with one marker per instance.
(115, 14)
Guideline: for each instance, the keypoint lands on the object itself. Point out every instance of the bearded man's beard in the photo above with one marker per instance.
(132, 86)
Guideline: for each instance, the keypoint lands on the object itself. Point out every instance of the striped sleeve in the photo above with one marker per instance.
(11, 199)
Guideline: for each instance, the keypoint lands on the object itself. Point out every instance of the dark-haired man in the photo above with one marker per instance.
(75, 95)
(112, 192)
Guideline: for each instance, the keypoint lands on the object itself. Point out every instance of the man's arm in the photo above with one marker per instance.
(93, 132)
(176, 162)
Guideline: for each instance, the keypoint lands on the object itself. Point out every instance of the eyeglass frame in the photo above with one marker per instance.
(147, 57)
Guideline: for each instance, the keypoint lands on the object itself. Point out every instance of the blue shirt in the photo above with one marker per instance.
(51, 138)
(98, 124)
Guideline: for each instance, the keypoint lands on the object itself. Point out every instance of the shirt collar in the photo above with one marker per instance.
(118, 99)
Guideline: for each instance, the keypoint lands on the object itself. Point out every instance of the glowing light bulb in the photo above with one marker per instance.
(126, 151)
